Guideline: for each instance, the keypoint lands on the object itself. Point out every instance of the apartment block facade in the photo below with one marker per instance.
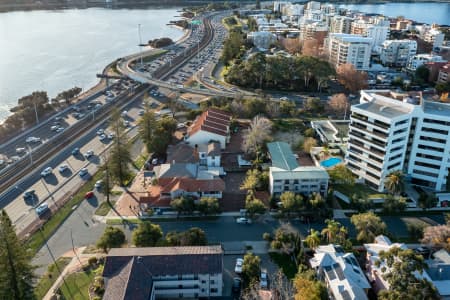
(396, 53)
(347, 48)
(398, 131)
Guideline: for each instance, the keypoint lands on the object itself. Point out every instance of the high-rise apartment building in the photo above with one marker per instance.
(340, 24)
(392, 131)
(396, 53)
(348, 48)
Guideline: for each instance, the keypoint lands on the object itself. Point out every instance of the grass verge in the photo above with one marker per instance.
(37, 239)
(285, 263)
(140, 161)
(77, 285)
(104, 208)
(49, 278)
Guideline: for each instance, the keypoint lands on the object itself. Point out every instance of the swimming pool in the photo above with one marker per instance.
(331, 162)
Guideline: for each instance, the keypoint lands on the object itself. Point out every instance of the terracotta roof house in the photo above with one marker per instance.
(163, 273)
(211, 125)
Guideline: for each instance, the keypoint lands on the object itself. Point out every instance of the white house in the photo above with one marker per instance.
(211, 125)
(341, 272)
(286, 175)
(209, 154)
(163, 273)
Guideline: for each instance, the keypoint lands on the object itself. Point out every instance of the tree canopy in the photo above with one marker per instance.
(112, 237)
(147, 235)
(368, 225)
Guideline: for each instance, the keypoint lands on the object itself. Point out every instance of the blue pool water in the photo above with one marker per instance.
(331, 162)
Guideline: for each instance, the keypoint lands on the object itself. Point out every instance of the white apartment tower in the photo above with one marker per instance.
(349, 48)
(396, 53)
(340, 24)
(378, 32)
(392, 131)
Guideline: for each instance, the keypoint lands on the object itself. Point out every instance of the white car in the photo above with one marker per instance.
(41, 208)
(263, 280)
(60, 129)
(89, 153)
(20, 150)
(126, 123)
(54, 128)
(32, 139)
(83, 172)
(102, 137)
(238, 266)
(243, 221)
(100, 132)
(47, 171)
(63, 168)
(98, 184)
(124, 114)
(111, 136)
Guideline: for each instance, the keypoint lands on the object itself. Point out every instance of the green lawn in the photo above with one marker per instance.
(287, 124)
(350, 189)
(50, 277)
(285, 264)
(36, 240)
(77, 285)
(140, 161)
(104, 208)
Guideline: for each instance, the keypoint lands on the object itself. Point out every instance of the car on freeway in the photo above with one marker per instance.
(243, 221)
(47, 171)
(89, 153)
(54, 128)
(89, 195)
(32, 139)
(83, 172)
(41, 209)
(20, 150)
(238, 266)
(98, 184)
(102, 137)
(263, 280)
(75, 151)
(29, 194)
(63, 168)
(236, 287)
(57, 118)
(60, 129)
(100, 132)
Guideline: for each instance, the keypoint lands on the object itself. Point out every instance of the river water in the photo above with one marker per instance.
(424, 12)
(56, 50)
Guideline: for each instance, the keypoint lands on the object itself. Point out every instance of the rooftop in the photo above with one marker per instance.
(310, 172)
(385, 109)
(282, 156)
(213, 120)
(437, 108)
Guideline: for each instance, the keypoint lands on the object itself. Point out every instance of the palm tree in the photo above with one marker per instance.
(394, 182)
(313, 239)
(331, 231)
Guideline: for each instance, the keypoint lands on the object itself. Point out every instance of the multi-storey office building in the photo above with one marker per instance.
(398, 131)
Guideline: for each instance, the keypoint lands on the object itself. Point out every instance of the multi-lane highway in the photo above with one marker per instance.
(76, 128)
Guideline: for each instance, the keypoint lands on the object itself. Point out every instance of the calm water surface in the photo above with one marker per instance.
(56, 50)
(423, 12)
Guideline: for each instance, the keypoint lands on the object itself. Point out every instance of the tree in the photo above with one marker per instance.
(292, 203)
(339, 104)
(307, 288)
(120, 156)
(254, 206)
(404, 284)
(427, 201)
(368, 225)
(192, 237)
(208, 206)
(313, 239)
(183, 205)
(335, 233)
(308, 144)
(394, 182)
(310, 47)
(421, 75)
(393, 204)
(251, 180)
(351, 78)
(147, 235)
(258, 132)
(16, 276)
(147, 125)
(287, 239)
(112, 238)
(251, 268)
(361, 203)
(340, 174)
(437, 236)
(415, 230)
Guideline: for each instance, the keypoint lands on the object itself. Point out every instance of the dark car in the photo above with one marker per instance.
(75, 151)
(236, 288)
(28, 194)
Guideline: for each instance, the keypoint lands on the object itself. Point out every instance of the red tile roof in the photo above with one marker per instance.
(213, 120)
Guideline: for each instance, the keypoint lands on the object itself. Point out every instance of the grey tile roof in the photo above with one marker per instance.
(282, 156)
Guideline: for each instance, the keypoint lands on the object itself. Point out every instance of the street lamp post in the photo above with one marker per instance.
(140, 44)
(31, 155)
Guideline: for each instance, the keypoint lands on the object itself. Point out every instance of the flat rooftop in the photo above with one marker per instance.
(385, 109)
(437, 108)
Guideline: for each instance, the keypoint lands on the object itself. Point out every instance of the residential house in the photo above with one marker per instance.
(163, 273)
(211, 125)
(204, 154)
(285, 174)
(341, 272)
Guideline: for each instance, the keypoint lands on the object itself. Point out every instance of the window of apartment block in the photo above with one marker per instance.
(212, 281)
(214, 290)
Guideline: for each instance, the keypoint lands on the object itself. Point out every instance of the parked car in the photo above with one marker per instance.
(63, 168)
(89, 195)
(243, 221)
(102, 137)
(238, 266)
(41, 209)
(75, 151)
(100, 132)
(236, 287)
(263, 280)
(47, 171)
(98, 184)
(111, 136)
(83, 172)
(89, 153)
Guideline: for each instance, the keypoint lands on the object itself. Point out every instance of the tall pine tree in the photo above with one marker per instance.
(16, 272)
